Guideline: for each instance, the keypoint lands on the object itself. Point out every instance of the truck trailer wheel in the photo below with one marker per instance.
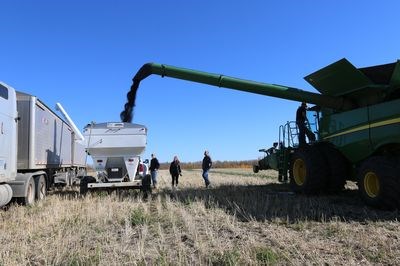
(379, 184)
(40, 187)
(29, 198)
(308, 171)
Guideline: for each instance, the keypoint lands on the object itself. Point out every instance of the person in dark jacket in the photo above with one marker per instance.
(175, 171)
(154, 165)
(206, 165)
(301, 120)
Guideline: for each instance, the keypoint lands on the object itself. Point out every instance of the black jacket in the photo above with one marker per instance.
(175, 168)
(154, 164)
(301, 116)
(207, 163)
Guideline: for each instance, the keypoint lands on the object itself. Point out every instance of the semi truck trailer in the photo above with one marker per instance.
(38, 149)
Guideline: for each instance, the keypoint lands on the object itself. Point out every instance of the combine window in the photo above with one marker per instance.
(3, 92)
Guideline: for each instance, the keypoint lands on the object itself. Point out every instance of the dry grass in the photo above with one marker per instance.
(244, 218)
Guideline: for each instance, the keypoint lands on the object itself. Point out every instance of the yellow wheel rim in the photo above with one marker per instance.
(299, 172)
(371, 184)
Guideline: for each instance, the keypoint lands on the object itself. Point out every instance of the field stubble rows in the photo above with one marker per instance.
(244, 218)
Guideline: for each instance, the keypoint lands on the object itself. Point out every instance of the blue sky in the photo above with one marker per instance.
(85, 53)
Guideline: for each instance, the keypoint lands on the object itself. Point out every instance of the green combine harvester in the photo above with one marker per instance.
(357, 123)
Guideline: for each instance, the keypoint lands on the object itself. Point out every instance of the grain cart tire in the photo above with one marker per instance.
(84, 184)
(255, 169)
(146, 183)
(308, 171)
(337, 167)
(40, 187)
(29, 198)
(378, 183)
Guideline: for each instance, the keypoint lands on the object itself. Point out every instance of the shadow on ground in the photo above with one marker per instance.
(265, 202)
(275, 201)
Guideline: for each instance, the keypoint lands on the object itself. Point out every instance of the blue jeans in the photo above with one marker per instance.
(205, 176)
(154, 177)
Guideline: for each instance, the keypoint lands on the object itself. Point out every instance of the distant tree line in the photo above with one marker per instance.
(216, 164)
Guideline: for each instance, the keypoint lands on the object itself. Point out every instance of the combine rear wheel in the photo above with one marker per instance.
(379, 184)
(308, 171)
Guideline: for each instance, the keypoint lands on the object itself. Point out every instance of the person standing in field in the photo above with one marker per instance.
(175, 171)
(154, 165)
(206, 165)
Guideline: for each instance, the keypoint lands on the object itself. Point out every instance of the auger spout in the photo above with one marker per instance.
(279, 91)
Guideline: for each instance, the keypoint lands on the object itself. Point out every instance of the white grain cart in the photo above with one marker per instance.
(115, 148)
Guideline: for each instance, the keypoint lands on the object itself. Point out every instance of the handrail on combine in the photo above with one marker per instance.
(288, 134)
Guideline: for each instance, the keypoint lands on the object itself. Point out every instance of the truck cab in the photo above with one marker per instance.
(8, 141)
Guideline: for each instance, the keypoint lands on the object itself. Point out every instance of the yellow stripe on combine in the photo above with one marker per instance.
(373, 125)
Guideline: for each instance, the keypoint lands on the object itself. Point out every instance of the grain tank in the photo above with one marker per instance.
(358, 127)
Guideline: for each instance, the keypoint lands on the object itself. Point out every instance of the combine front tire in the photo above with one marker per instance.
(379, 184)
(308, 171)
(337, 167)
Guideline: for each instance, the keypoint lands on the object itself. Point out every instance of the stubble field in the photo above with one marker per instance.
(243, 219)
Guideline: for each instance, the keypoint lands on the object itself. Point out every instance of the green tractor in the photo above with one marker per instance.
(357, 114)
(269, 161)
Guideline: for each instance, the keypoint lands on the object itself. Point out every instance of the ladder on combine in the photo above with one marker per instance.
(288, 140)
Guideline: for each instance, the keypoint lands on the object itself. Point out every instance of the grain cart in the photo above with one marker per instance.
(37, 148)
(115, 148)
(358, 113)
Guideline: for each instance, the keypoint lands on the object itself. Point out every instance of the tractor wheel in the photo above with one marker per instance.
(84, 183)
(255, 169)
(379, 184)
(308, 170)
(338, 168)
(40, 185)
